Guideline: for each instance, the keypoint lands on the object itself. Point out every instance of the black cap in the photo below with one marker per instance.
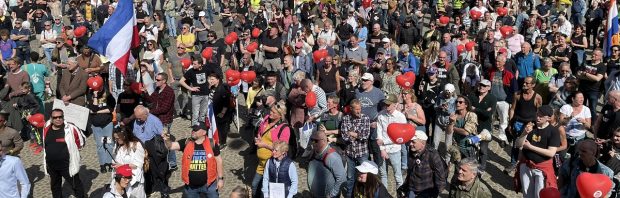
(200, 125)
(545, 110)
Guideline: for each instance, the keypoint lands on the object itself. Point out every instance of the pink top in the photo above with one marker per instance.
(514, 43)
(286, 132)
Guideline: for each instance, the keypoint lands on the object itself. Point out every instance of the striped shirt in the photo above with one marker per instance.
(356, 147)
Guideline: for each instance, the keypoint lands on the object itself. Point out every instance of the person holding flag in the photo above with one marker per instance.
(219, 101)
(613, 30)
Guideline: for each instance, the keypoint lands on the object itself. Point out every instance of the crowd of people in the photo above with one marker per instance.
(541, 78)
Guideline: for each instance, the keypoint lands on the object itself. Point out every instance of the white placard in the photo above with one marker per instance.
(73, 113)
(276, 190)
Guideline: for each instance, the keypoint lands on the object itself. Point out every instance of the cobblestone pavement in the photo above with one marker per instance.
(239, 170)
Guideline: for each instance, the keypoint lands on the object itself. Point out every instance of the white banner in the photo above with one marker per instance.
(73, 113)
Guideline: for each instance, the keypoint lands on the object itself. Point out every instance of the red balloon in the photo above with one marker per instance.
(186, 62)
(234, 82)
(37, 120)
(248, 76)
(469, 46)
(69, 42)
(252, 47)
(136, 87)
(319, 55)
(233, 35)
(549, 192)
(80, 31)
(502, 11)
(255, 33)
(207, 53)
(444, 20)
(593, 185)
(475, 14)
(95, 83)
(310, 99)
(411, 76)
(346, 109)
(229, 40)
(232, 75)
(366, 3)
(505, 30)
(400, 133)
(460, 48)
(404, 81)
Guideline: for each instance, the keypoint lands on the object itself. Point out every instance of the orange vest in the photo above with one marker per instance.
(188, 153)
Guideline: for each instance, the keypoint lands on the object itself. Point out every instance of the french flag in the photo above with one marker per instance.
(612, 28)
(210, 121)
(118, 36)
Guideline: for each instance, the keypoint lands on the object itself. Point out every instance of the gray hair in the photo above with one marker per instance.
(404, 48)
(472, 163)
(299, 75)
(141, 109)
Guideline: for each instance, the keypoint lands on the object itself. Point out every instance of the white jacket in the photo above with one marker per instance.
(383, 121)
(133, 157)
(75, 139)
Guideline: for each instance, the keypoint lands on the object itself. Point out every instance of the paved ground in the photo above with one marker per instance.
(239, 170)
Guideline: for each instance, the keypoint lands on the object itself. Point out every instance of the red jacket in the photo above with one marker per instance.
(547, 169)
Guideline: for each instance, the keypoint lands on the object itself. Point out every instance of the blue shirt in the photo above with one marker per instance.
(450, 49)
(11, 171)
(362, 34)
(145, 131)
(6, 47)
(527, 64)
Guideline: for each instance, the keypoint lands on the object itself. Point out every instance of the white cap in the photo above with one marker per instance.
(201, 13)
(368, 76)
(368, 167)
(385, 40)
(449, 88)
(420, 135)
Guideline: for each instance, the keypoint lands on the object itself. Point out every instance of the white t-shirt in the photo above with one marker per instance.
(573, 127)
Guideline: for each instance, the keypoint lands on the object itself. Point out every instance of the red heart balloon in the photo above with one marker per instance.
(411, 76)
(460, 48)
(207, 53)
(232, 75)
(400, 133)
(346, 109)
(95, 83)
(502, 11)
(366, 3)
(469, 46)
(234, 82)
(310, 99)
(69, 42)
(229, 40)
(255, 33)
(593, 185)
(136, 87)
(444, 20)
(37, 120)
(404, 81)
(549, 192)
(80, 31)
(319, 55)
(234, 36)
(252, 47)
(186, 62)
(505, 30)
(248, 76)
(475, 14)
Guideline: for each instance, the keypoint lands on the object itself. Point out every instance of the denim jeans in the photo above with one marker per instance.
(351, 164)
(104, 134)
(181, 98)
(209, 190)
(199, 108)
(257, 185)
(581, 55)
(172, 155)
(592, 100)
(394, 159)
(172, 27)
(48, 55)
(439, 133)
(423, 194)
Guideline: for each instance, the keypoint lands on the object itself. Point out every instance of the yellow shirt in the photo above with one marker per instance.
(263, 153)
(255, 4)
(188, 40)
(251, 95)
(87, 9)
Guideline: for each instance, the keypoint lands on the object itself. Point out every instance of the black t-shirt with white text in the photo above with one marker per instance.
(198, 164)
(542, 138)
(587, 85)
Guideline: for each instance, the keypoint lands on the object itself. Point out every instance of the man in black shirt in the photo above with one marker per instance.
(202, 171)
(219, 48)
(127, 101)
(271, 45)
(344, 32)
(62, 142)
(195, 80)
(539, 142)
(590, 77)
(609, 120)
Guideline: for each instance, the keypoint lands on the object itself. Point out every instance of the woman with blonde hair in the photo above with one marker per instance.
(430, 56)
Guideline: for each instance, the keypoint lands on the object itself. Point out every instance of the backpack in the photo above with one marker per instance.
(334, 150)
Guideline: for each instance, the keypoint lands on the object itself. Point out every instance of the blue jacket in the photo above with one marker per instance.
(411, 63)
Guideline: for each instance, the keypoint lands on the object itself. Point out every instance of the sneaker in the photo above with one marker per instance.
(103, 169)
(223, 146)
(110, 168)
(511, 169)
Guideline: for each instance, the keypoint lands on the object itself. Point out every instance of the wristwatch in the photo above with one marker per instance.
(221, 178)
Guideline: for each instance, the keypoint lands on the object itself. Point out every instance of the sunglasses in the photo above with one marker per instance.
(57, 117)
(159, 80)
(460, 101)
(151, 44)
(314, 140)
